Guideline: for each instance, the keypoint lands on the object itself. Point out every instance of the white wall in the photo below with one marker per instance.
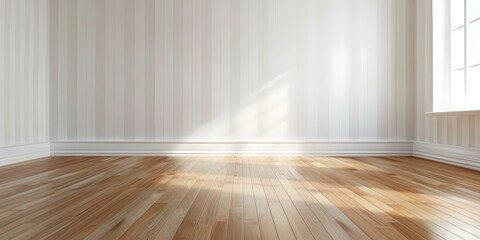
(24, 44)
(217, 70)
(449, 130)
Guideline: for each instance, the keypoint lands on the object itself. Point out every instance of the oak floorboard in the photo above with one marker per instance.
(235, 229)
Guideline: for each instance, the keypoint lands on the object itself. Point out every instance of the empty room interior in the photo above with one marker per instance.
(240, 119)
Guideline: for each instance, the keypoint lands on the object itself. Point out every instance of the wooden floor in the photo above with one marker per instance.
(238, 198)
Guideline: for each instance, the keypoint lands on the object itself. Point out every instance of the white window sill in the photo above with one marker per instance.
(453, 113)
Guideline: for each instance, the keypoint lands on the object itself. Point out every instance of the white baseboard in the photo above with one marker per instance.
(100, 148)
(21, 153)
(454, 155)
(465, 157)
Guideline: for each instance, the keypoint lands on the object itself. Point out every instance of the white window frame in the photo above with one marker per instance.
(442, 50)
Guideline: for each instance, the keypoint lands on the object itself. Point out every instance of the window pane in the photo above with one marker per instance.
(458, 49)
(473, 9)
(457, 90)
(458, 13)
(473, 88)
(474, 43)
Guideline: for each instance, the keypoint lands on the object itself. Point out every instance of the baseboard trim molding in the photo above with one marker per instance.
(100, 148)
(21, 153)
(454, 155)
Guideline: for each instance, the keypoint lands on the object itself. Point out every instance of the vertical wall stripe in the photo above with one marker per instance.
(383, 62)
(187, 66)
(6, 82)
(392, 65)
(477, 132)
(196, 98)
(454, 129)
(81, 9)
(226, 71)
(313, 73)
(420, 26)
(371, 63)
(72, 69)
(91, 99)
(445, 130)
(245, 110)
(20, 68)
(264, 39)
(411, 97)
(449, 131)
(319, 65)
(41, 70)
(28, 90)
(401, 70)
(150, 70)
(471, 121)
(119, 66)
(253, 67)
(428, 69)
(109, 94)
(301, 78)
(355, 66)
(100, 73)
(426, 50)
(465, 132)
(129, 69)
(235, 16)
(13, 74)
(177, 70)
(3, 76)
(168, 70)
(44, 116)
(459, 131)
(216, 126)
(159, 68)
(225, 46)
(206, 66)
(139, 64)
(362, 68)
(54, 25)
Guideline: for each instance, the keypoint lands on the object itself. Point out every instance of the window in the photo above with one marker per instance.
(457, 48)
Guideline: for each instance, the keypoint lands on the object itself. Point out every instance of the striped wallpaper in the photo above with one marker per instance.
(24, 44)
(451, 130)
(232, 70)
